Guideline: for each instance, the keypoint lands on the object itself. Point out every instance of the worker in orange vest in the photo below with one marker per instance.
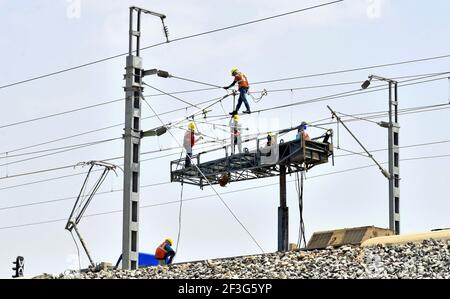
(164, 253)
(241, 79)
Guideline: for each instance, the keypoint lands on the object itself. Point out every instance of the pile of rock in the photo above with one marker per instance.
(429, 259)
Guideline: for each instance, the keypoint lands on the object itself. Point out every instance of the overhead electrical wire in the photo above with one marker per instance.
(224, 193)
(77, 174)
(58, 148)
(407, 110)
(339, 95)
(58, 152)
(163, 43)
(205, 89)
(172, 96)
(209, 183)
(109, 127)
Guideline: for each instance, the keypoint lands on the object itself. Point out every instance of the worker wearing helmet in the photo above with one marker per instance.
(236, 138)
(189, 142)
(164, 253)
(302, 131)
(241, 79)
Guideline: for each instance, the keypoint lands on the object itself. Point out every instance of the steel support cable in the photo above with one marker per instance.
(71, 166)
(70, 175)
(207, 180)
(224, 193)
(343, 95)
(339, 95)
(78, 251)
(386, 114)
(98, 130)
(334, 96)
(205, 89)
(61, 113)
(322, 124)
(172, 41)
(360, 69)
(58, 152)
(195, 81)
(172, 96)
(121, 124)
(169, 155)
(75, 197)
(61, 148)
(358, 118)
(293, 88)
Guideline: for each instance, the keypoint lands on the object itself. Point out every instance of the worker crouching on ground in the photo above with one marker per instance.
(242, 81)
(189, 142)
(236, 138)
(164, 253)
(302, 131)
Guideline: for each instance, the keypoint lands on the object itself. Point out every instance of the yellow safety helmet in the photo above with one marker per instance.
(191, 126)
(170, 241)
(234, 70)
(236, 117)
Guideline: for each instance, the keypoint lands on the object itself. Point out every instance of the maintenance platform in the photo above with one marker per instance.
(268, 161)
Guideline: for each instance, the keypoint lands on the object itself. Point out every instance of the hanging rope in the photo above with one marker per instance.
(179, 217)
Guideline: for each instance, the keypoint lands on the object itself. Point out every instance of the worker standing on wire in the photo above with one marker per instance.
(189, 142)
(242, 81)
(236, 138)
(164, 253)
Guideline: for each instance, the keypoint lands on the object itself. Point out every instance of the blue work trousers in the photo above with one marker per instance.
(243, 99)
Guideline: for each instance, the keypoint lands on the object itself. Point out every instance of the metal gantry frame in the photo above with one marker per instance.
(292, 156)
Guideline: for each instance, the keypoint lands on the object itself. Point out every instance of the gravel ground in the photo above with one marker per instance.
(429, 259)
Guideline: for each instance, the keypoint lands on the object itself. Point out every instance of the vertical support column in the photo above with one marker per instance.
(283, 213)
(131, 184)
(394, 160)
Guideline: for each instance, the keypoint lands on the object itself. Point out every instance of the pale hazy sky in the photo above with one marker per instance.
(43, 36)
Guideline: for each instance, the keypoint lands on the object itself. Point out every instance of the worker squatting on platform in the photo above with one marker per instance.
(242, 81)
(303, 127)
(164, 253)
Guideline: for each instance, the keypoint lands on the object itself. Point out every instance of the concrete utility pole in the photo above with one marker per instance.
(394, 152)
(132, 136)
(394, 159)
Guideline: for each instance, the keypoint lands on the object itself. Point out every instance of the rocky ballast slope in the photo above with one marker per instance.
(429, 259)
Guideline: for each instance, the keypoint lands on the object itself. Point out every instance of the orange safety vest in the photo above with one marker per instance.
(306, 136)
(161, 253)
(241, 78)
